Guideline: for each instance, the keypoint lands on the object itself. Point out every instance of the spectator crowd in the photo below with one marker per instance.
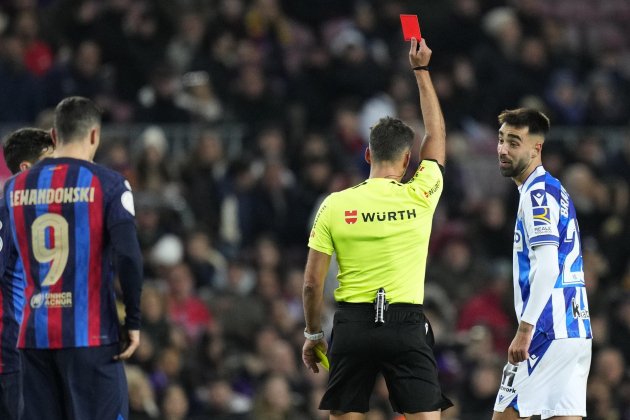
(224, 229)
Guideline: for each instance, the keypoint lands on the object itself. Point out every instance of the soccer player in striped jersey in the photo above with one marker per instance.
(22, 149)
(73, 222)
(549, 357)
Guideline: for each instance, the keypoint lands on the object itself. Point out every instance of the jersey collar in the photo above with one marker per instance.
(535, 174)
(383, 180)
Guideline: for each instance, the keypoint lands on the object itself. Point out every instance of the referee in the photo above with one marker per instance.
(380, 233)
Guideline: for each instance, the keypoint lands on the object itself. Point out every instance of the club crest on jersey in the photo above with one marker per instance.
(351, 216)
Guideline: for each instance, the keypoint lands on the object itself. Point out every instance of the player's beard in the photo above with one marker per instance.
(515, 168)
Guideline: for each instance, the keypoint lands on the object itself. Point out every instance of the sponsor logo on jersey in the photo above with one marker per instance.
(542, 230)
(351, 217)
(433, 189)
(507, 379)
(579, 313)
(382, 216)
(541, 216)
(51, 300)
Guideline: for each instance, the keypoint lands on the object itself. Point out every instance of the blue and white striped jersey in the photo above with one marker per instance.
(546, 216)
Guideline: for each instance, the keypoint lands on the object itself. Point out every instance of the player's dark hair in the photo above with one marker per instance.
(536, 121)
(25, 144)
(389, 139)
(74, 118)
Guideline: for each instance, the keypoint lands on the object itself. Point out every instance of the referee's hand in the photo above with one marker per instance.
(309, 357)
(419, 54)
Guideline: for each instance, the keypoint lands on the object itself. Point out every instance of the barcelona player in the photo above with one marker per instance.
(22, 149)
(73, 222)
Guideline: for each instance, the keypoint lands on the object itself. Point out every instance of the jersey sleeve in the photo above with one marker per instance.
(120, 206)
(541, 214)
(427, 183)
(5, 236)
(321, 238)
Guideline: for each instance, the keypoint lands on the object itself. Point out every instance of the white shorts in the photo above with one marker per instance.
(552, 382)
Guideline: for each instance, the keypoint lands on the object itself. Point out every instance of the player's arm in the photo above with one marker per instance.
(543, 282)
(129, 262)
(313, 297)
(541, 213)
(541, 287)
(540, 217)
(5, 238)
(122, 230)
(434, 143)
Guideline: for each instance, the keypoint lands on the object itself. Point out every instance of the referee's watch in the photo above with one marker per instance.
(313, 337)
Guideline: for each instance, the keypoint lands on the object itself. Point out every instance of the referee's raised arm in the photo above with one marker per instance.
(433, 145)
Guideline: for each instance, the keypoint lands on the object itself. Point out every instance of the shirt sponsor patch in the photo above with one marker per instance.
(351, 216)
(541, 216)
(433, 190)
(543, 230)
(51, 300)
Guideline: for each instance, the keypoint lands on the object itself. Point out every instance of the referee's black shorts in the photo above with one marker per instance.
(401, 349)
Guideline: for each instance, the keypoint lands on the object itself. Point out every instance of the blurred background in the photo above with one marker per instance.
(233, 119)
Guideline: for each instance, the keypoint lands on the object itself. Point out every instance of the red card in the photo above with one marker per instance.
(410, 27)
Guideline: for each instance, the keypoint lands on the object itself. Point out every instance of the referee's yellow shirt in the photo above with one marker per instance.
(380, 232)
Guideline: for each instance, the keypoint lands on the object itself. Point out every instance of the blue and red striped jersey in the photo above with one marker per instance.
(11, 295)
(61, 212)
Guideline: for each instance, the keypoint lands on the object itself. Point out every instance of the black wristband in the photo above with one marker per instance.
(421, 68)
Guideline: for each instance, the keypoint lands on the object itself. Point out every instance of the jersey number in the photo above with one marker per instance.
(571, 230)
(57, 254)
